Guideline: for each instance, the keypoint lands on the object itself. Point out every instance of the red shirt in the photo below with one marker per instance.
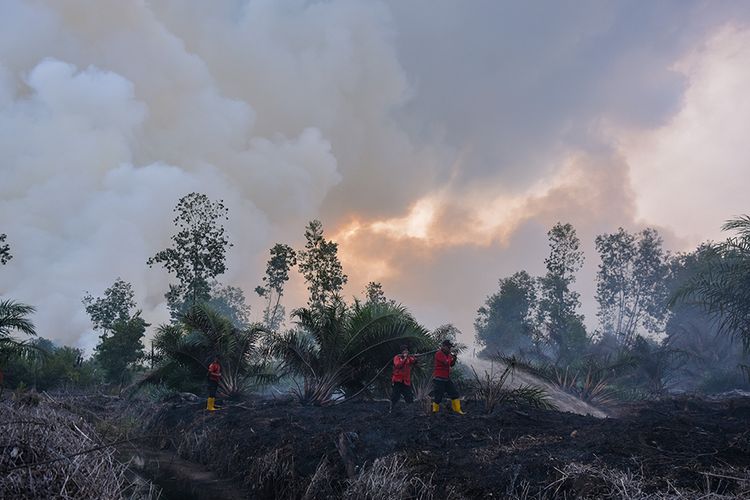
(402, 369)
(214, 372)
(443, 363)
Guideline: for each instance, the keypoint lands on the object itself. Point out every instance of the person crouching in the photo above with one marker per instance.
(441, 378)
(401, 377)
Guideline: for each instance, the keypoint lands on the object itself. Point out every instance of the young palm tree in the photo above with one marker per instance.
(723, 287)
(189, 346)
(346, 348)
(14, 318)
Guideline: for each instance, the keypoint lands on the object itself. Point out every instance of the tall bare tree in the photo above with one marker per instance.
(283, 258)
(631, 287)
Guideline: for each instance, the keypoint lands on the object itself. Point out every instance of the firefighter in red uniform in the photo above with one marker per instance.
(214, 377)
(441, 378)
(401, 377)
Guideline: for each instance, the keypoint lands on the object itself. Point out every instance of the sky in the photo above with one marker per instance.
(437, 141)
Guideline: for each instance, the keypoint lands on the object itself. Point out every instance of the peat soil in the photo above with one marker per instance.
(272, 448)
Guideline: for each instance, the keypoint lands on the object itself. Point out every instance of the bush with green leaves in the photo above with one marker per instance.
(346, 348)
(186, 348)
(48, 366)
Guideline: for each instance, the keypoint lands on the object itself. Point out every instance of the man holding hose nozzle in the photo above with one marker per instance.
(441, 381)
(401, 377)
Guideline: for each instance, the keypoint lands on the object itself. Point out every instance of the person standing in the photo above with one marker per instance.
(441, 378)
(401, 378)
(214, 377)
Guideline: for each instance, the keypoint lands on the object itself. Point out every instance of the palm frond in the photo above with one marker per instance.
(14, 317)
(740, 224)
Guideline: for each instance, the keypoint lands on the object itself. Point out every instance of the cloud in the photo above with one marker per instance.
(453, 247)
(437, 141)
(102, 131)
(691, 174)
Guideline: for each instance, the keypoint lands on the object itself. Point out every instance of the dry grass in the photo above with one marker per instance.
(46, 452)
(389, 477)
(322, 483)
(272, 475)
(590, 481)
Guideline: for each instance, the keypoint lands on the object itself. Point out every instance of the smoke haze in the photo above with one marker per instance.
(437, 141)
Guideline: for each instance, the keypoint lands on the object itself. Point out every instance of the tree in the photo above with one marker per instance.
(115, 306)
(51, 367)
(631, 284)
(713, 361)
(5, 255)
(563, 326)
(121, 330)
(14, 318)
(198, 253)
(186, 348)
(374, 293)
(321, 268)
(655, 364)
(283, 258)
(339, 348)
(229, 301)
(122, 348)
(505, 323)
(722, 288)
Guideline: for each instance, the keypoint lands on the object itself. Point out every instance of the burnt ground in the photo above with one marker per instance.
(273, 448)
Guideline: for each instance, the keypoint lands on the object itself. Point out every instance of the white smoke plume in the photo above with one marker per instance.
(438, 141)
(107, 118)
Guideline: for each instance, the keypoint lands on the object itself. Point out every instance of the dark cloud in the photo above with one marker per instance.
(518, 82)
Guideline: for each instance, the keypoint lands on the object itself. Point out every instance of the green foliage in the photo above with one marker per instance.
(374, 293)
(631, 287)
(14, 318)
(159, 393)
(339, 348)
(185, 350)
(120, 350)
(713, 361)
(491, 389)
(321, 268)
(5, 255)
(115, 306)
(505, 323)
(591, 379)
(655, 365)
(283, 258)
(229, 301)
(562, 327)
(50, 367)
(448, 331)
(722, 287)
(121, 331)
(198, 253)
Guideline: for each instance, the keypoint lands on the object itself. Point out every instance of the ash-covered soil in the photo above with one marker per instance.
(273, 448)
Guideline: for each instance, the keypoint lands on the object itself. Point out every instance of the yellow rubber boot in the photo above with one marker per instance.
(435, 407)
(456, 405)
(210, 406)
